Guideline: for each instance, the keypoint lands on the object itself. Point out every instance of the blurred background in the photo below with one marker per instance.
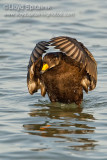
(31, 127)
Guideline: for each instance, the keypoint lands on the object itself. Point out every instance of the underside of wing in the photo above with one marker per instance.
(77, 51)
(37, 52)
(34, 67)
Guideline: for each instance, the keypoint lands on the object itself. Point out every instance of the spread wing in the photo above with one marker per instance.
(76, 50)
(34, 67)
(37, 52)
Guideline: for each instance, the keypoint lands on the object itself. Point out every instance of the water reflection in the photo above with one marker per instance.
(66, 122)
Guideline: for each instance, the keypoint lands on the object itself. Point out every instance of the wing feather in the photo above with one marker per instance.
(76, 50)
(35, 63)
(37, 52)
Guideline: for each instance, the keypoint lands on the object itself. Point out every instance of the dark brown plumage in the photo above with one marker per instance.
(66, 73)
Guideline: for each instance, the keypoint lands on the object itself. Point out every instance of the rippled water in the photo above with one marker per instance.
(31, 127)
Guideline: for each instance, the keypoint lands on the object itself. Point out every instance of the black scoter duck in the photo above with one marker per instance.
(63, 75)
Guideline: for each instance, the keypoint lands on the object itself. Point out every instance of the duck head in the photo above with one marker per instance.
(51, 60)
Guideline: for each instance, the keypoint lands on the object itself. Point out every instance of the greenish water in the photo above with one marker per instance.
(31, 127)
